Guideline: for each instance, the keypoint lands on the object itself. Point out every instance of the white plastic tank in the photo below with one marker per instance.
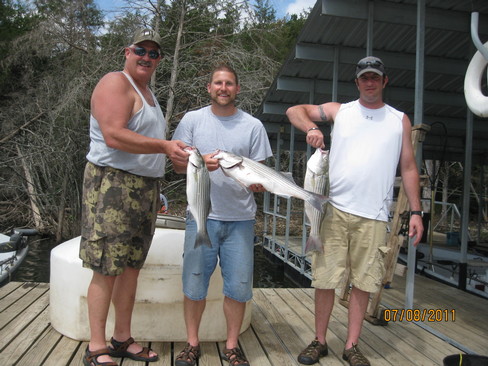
(158, 310)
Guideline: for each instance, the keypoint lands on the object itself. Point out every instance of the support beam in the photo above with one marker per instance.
(400, 13)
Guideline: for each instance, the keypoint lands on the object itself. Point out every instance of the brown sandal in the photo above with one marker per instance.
(189, 356)
(90, 358)
(120, 349)
(235, 357)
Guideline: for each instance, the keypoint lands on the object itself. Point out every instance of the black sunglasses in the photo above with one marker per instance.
(141, 51)
(365, 64)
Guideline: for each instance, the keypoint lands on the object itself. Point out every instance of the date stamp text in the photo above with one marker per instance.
(419, 315)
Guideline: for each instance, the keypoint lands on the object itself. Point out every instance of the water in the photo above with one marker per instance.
(35, 267)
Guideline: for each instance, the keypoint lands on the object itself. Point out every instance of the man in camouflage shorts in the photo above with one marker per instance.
(118, 219)
(121, 195)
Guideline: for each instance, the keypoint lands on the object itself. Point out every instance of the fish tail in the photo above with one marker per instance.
(202, 239)
(314, 244)
(318, 201)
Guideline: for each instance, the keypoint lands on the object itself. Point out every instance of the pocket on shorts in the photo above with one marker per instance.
(379, 269)
(91, 251)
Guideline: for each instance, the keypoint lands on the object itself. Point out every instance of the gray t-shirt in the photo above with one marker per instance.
(240, 134)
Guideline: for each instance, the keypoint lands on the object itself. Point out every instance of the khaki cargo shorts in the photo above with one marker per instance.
(351, 243)
(118, 219)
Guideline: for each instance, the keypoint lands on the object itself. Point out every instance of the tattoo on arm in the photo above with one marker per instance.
(323, 117)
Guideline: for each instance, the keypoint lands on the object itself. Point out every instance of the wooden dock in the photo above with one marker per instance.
(282, 325)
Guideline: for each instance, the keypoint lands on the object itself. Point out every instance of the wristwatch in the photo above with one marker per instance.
(420, 213)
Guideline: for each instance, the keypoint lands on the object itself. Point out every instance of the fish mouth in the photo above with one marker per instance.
(226, 164)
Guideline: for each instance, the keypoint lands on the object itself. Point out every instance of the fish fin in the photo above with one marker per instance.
(202, 239)
(318, 201)
(314, 244)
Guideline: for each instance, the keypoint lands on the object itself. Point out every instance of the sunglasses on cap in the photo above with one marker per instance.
(141, 51)
(375, 64)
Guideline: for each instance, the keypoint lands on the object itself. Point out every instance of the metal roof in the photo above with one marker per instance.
(338, 33)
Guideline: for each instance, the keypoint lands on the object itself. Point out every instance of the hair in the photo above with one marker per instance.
(223, 67)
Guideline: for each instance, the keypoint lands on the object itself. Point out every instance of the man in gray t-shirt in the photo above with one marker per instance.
(230, 224)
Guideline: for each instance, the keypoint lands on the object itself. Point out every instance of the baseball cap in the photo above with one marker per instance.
(370, 64)
(146, 34)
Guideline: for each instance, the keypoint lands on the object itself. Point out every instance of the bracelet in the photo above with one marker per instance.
(313, 128)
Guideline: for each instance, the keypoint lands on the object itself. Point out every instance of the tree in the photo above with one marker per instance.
(63, 54)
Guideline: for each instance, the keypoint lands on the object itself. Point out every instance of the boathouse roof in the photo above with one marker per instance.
(426, 46)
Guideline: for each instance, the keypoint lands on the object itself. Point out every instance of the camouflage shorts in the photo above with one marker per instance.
(118, 219)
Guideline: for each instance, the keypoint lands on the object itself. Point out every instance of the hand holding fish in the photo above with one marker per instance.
(315, 138)
(211, 163)
(175, 150)
(256, 188)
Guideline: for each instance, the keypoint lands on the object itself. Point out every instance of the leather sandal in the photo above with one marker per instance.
(120, 349)
(235, 357)
(91, 357)
(189, 356)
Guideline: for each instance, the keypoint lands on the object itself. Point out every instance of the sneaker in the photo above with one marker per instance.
(354, 356)
(313, 352)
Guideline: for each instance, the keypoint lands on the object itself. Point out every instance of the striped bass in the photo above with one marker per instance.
(248, 172)
(198, 194)
(317, 181)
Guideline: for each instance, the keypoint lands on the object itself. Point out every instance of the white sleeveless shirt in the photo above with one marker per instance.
(148, 121)
(364, 155)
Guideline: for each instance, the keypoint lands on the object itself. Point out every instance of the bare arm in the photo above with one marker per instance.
(303, 117)
(411, 181)
(114, 102)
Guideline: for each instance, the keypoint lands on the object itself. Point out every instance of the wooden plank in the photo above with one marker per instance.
(8, 289)
(23, 341)
(77, 359)
(279, 321)
(13, 297)
(253, 350)
(282, 324)
(44, 346)
(210, 354)
(22, 303)
(268, 337)
(17, 325)
(469, 328)
(428, 344)
(163, 349)
(63, 352)
(302, 321)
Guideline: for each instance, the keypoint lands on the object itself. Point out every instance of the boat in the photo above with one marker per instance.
(443, 262)
(13, 250)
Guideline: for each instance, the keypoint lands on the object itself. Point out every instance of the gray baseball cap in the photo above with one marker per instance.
(370, 64)
(146, 34)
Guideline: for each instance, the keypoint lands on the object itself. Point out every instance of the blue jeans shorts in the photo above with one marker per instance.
(233, 246)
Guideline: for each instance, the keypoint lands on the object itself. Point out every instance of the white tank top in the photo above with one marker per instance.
(364, 155)
(148, 121)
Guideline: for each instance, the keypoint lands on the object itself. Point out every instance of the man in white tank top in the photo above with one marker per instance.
(369, 140)
(120, 195)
